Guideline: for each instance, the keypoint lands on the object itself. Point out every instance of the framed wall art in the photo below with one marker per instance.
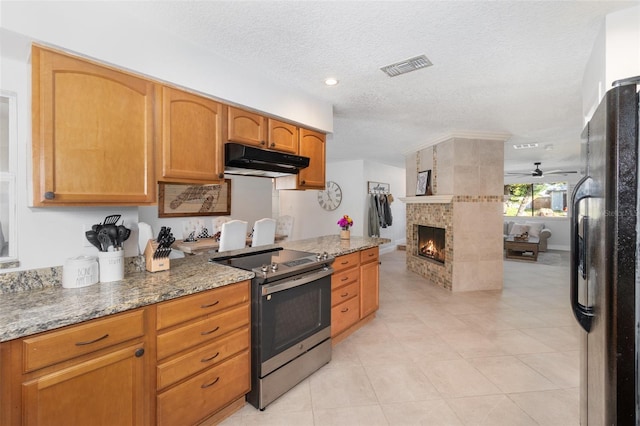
(424, 183)
(180, 199)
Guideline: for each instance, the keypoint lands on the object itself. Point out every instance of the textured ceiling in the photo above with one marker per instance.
(499, 67)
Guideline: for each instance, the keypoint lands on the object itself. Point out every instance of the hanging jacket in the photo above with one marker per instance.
(374, 219)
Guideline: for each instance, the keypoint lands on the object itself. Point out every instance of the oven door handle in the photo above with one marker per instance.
(295, 282)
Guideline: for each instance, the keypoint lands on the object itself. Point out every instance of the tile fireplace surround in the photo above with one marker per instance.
(473, 258)
(468, 182)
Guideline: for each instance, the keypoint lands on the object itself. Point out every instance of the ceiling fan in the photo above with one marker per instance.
(538, 173)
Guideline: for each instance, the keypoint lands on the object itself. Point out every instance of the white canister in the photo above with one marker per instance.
(111, 265)
(79, 272)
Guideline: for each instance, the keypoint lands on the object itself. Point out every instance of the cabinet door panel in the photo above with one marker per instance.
(312, 145)
(73, 341)
(191, 137)
(106, 390)
(369, 276)
(190, 307)
(199, 332)
(344, 315)
(92, 133)
(193, 400)
(283, 136)
(204, 357)
(246, 127)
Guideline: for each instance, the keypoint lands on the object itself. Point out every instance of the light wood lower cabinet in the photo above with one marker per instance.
(203, 354)
(105, 390)
(179, 362)
(369, 281)
(354, 292)
(95, 373)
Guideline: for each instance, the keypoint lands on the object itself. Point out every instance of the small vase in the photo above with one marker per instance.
(345, 234)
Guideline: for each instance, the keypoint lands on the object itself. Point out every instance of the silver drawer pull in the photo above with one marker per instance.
(204, 333)
(206, 385)
(92, 341)
(210, 358)
(210, 305)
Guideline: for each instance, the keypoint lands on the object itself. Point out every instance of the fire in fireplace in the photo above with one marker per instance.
(431, 243)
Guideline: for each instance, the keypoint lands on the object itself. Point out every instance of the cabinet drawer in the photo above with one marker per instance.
(76, 340)
(346, 261)
(345, 277)
(369, 255)
(209, 328)
(198, 397)
(344, 315)
(201, 358)
(190, 307)
(341, 294)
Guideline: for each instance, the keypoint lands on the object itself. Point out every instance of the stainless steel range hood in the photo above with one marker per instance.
(249, 161)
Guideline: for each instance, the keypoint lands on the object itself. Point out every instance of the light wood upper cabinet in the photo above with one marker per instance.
(246, 127)
(312, 145)
(192, 146)
(93, 133)
(282, 136)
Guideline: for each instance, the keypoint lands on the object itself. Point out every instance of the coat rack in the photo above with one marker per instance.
(378, 187)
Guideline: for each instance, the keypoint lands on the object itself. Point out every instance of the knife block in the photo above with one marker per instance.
(151, 264)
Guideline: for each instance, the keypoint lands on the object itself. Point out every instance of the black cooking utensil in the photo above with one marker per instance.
(112, 232)
(112, 219)
(104, 239)
(123, 234)
(92, 237)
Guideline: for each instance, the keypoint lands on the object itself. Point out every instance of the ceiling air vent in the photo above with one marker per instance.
(406, 66)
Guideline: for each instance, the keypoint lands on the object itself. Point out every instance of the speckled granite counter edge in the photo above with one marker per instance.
(25, 313)
(44, 305)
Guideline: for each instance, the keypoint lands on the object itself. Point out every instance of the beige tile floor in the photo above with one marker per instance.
(432, 357)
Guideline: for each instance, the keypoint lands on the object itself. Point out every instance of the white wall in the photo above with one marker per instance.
(48, 236)
(250, 201)
(615, 55)
(311, 220)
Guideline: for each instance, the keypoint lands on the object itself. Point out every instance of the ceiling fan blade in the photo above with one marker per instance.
(560, 172)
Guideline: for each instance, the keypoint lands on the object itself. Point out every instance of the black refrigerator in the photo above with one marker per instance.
(604, 268)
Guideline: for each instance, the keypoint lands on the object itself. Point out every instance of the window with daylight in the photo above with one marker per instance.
(8, 145)
(536, 199)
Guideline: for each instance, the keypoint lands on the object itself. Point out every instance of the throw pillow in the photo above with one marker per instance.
(518, 229)
(535, 228)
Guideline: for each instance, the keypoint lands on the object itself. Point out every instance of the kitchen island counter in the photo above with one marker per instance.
(27, 312)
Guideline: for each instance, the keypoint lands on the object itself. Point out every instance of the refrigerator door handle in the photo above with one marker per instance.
(583, 314)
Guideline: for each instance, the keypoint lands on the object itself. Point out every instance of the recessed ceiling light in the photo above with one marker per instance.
(549, 147)
(331, 81)
(525, 146)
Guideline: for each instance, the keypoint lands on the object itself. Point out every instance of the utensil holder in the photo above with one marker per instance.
(151, 264)
(111, 265)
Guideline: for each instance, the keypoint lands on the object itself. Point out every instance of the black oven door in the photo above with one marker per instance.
(290, 312)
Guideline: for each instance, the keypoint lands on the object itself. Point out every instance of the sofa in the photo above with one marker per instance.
(535, 229)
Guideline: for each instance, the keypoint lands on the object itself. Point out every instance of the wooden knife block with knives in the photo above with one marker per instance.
(153, 262)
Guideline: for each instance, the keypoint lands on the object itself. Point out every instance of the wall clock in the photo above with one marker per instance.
(331, 197)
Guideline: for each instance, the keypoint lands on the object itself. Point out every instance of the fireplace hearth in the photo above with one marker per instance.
(431, 243)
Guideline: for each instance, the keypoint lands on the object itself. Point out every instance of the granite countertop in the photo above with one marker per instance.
(33, 311)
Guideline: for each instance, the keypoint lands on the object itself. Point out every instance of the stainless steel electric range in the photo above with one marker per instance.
(290, 318)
